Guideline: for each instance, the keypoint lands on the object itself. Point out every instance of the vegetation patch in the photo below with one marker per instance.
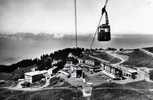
(5, 76)
(118, 94)
(55, 94)
(109, 85)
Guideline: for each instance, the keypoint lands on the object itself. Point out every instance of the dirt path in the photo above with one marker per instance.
(35, 89)
(146, 52)
(68, 88)
(121, 57)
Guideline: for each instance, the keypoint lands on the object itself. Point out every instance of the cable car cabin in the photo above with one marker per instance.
(104, 33)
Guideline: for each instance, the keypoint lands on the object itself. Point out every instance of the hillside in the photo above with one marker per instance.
(56, 94)
(106, 91)
(118, 94)
(17, 70)
(150, 49)
(138, 58)
(106, 56)
(140, 85)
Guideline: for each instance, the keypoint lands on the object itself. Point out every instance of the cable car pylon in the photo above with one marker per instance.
(75, 20)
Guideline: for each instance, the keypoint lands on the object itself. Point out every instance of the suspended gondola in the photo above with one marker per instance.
(104, 32)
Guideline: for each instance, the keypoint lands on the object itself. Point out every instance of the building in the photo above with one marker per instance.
(111, 71)
(34, 68)
(69, 62)
(50, 71)
(80, 60)
(70, 55)
(129, 73)
(118, 71)
(89, 61)
(74, 74)
(63, 74)
(87, 90)
(32, 77)
(77, 73)
(55, 61)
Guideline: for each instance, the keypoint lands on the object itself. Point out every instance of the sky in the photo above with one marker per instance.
(57, 16)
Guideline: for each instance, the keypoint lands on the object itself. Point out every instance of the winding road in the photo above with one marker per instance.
(146, 52)
(123, 58)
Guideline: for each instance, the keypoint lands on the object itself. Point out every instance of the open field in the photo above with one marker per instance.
(107, 57)
(140, 85)
(138, 59)
(61, 94)
(118, 94)
(106, 91)
(97, 94)
(131, 91)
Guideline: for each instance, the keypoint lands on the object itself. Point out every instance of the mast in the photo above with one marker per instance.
(75, 20)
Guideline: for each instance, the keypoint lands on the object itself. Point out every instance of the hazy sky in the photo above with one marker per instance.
(56, 16)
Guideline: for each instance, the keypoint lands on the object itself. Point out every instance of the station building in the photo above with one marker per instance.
(118, 71)
(32, 77)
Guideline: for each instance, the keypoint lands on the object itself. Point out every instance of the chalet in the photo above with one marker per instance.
(32, 77)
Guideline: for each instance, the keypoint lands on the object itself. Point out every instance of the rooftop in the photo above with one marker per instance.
(36, 73)
(131, 70)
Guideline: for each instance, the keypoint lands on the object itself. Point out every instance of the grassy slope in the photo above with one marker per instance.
(111, 91)
(39, 95)
(118, 94)
(5, 76)
(14, 74)
(140, 85)
(139, 59)
(103, 94)
(150, 49)
(130, 91)
(106, 57)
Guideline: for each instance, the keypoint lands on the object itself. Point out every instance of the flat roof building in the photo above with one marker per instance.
(35, 76)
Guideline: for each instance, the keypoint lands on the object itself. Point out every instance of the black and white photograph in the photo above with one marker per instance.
(76, 49)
